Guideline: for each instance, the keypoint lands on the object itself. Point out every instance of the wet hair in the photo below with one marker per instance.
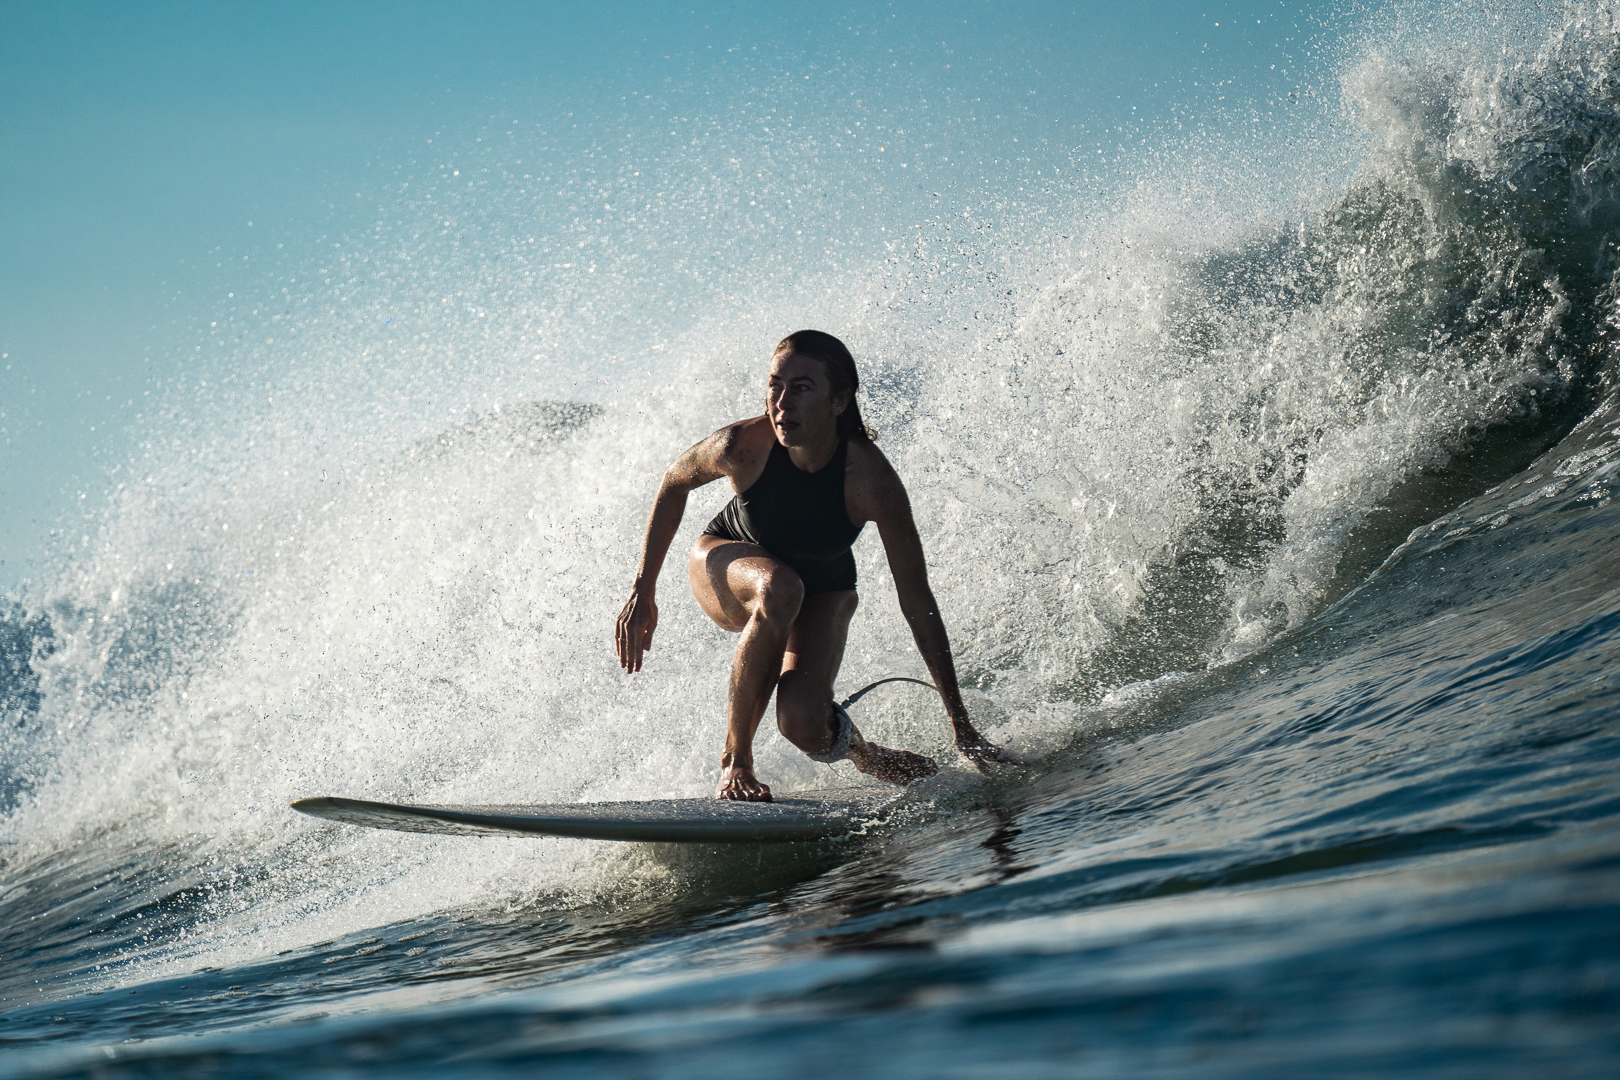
(841, 373)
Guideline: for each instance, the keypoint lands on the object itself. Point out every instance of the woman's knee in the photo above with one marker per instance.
(780, 596)
(803, 711)
(805, 725)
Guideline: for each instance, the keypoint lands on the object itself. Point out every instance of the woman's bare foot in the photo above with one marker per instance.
(895, 766)
(738, 782)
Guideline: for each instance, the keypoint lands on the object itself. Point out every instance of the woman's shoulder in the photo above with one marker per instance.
(863, 456)
(740, 448)
(745, 438)
(868, 474)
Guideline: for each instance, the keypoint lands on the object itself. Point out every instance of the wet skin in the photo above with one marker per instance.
(790, 643)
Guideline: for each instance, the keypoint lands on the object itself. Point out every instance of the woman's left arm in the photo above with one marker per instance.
(891, 510)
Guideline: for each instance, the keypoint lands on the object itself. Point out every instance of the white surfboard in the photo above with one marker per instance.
(801, 815)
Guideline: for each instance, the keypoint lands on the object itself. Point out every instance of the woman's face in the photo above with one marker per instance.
(800, 402)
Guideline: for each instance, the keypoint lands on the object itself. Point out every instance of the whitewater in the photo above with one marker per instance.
(1265, 473)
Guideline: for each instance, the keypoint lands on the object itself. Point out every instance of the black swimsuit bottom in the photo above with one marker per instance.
(799, 517)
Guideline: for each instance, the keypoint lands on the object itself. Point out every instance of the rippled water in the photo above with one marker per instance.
(1280, 548)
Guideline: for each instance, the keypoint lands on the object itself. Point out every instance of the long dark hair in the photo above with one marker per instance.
(841, 373)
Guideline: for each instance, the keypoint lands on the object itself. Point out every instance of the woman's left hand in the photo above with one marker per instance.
(983, 753)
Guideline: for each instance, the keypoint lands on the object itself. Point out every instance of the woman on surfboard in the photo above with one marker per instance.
(775, 566)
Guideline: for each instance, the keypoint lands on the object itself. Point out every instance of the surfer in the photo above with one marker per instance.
(775, 566)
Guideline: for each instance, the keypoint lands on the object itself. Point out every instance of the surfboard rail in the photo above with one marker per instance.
(797, 816)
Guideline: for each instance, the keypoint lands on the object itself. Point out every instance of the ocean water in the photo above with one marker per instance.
(1262, 443)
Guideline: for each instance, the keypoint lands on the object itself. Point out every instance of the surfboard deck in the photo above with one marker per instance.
(800, 815)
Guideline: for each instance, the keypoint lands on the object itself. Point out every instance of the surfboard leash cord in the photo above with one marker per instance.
(862, 692)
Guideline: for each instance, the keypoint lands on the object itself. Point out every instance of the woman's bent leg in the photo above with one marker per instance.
(804, 696)
(815, 649)
(745, 589)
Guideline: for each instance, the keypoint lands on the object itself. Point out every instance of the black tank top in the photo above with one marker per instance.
(799, 517)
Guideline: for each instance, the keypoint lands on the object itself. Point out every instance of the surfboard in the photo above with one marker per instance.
(800, 815)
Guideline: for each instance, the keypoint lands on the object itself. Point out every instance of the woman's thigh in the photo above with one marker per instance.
(731, 579)
(815, 650)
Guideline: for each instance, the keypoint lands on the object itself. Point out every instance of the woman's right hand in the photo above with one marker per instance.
(634, 630)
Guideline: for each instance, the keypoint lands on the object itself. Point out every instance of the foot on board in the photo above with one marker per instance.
(894, 766)
(741, 785)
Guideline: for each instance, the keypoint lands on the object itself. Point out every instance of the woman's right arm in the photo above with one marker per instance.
(638, 619)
